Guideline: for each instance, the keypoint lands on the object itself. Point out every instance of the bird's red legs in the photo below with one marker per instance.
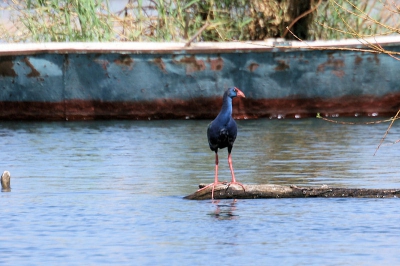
(216, 169)
(233, 174)
(216, 182)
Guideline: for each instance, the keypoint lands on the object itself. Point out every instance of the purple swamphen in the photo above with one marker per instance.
(221, 133)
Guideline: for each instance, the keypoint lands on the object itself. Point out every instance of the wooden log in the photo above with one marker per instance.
(278, 191)
(5, 181)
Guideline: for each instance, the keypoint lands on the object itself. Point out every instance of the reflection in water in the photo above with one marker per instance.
(312, 151)
(224, 210)
(110, 192)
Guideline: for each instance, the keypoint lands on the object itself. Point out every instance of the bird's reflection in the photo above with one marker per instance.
(224, 210)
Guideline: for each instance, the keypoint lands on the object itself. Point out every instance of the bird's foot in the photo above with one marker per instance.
(236, 183)
(213, 187)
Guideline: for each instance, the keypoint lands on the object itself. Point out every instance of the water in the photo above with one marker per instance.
(110, 192)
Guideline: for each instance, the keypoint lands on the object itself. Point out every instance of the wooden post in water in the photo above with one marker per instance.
(278, 191)
(5, 182)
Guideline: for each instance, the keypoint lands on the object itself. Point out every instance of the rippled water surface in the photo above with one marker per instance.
(110, 192)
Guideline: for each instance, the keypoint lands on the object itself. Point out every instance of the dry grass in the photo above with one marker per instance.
(173, 20)
(57, 21)
(336, 19)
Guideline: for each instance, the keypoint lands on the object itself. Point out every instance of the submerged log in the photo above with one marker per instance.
(279, 191)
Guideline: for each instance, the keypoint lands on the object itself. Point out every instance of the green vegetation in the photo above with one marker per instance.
(174, 20)
(337, 19)
(59, 21)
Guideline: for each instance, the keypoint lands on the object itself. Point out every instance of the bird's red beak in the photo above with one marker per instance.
(239, 93)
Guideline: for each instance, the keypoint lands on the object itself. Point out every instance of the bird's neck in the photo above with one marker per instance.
(226, 111)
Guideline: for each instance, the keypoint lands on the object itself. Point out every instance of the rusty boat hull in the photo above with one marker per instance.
(79, 81)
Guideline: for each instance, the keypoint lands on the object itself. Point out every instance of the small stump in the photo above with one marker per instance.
(5, 181)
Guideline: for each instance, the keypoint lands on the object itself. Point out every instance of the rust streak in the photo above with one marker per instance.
(6, 67)
(124, 60)
(338, 73)
(160, 63)
(199, 107)
(282, 66)
(103, 63)
(216, 64)
(336, 64)
(358, 60)
(192, 65)
(376, 59)
(34, 73)
(253, 66)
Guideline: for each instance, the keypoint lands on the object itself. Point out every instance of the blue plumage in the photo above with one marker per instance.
(222, 132)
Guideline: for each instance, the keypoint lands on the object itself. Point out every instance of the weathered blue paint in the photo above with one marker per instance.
(37, 78)
(82, 82)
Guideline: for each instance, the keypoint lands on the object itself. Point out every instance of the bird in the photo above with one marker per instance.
(222, 132)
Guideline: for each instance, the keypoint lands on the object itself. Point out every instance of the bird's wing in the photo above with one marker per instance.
(212, 136)
(231, 128)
